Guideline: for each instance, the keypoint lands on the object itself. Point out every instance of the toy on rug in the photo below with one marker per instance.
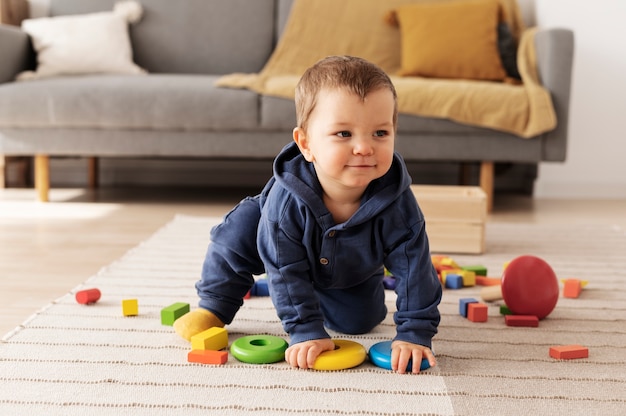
(529, 287)
(259, 349)
(88, 296)
(347, 354)
(380, 355)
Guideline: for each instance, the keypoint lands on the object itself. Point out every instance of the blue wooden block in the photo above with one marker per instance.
(260, 288)
(389, 282)
(463, 305)
(454, 281)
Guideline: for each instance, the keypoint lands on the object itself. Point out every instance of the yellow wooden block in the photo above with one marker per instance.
(469, 277)
(448, 261)
(212, 339)
(130, 307)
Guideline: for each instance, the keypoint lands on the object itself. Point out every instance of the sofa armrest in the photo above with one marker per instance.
(16, 52)
(555, 55)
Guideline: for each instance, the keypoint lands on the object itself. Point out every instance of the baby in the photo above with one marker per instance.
(337, 211)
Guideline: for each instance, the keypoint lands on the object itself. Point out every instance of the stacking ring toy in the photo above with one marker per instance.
(259, 349)
(347, 354)
(530, 287)
(380, 355)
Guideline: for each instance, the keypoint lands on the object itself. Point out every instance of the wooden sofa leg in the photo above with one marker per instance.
(42, 177)
(3, 182)
(92, 166)
(486, 182)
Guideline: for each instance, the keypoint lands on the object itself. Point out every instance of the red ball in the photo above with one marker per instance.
(530, 287)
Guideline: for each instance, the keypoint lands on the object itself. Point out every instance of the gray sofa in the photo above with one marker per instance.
(176, 111)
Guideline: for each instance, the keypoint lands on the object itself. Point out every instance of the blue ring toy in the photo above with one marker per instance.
(259, 349)
(380, 355)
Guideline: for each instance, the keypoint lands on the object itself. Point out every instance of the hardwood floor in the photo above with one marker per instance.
(48, 249)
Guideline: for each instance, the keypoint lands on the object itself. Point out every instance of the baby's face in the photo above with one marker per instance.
(349, 140)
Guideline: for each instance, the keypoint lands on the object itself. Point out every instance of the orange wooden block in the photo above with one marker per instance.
(568, 352)
(488, 281)
(521, 320)
(477, 312)
(572, 288)
(207, 356)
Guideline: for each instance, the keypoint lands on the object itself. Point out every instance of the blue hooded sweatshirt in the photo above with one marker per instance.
(307, 255)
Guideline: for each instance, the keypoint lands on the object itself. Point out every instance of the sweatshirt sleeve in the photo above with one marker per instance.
(281, 249)
(417, 286)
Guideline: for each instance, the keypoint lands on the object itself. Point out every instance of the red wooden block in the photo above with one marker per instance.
(568, 352)
(207, 356)
(572, 288)
(477, 312)
(522, 320)
(88, 296)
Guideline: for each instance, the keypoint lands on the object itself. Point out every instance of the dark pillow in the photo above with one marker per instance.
(508, 50)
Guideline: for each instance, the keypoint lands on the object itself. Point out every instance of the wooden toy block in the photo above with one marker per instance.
(87, 296)
(207, 357)
(477, 312)
(504, 310)
(572, 288)
(463, 303)
(530, 321)
(569, 352)
(488, 281)
(448, 261)
(491, 293)
(454, 281)
(130, 307)
(212, 339)
(389, 282)
(260, 288)
(469, 278)
(173, 312)
(478, 269)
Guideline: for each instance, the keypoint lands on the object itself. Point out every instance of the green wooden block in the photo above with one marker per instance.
(478, 269)
(504, 310)
(173, 312)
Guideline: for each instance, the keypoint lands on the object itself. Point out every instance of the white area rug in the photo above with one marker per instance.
(72, 359)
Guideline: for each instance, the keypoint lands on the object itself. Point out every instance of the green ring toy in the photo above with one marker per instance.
(347, 354)
(259, 349)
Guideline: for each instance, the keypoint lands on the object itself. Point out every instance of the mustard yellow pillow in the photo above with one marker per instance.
(451, 39)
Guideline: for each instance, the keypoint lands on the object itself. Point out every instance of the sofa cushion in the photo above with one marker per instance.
(194, 36)
(156, 101)
(456, 39)
(83, 44)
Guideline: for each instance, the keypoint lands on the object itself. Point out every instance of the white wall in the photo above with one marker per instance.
(596, 160)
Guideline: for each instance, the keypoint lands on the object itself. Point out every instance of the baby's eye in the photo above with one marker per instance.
(381, 133)
(344, 134)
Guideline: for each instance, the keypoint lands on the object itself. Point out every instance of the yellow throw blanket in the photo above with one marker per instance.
(320, 28)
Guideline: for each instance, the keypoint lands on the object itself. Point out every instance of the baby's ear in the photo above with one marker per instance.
(300, 137)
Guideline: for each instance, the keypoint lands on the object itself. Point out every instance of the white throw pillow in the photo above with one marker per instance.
(92, 43)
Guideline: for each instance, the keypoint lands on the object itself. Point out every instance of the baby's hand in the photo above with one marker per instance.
(304, 354)
(402, 352)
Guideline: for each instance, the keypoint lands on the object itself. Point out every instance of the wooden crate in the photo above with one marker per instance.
(455, 217)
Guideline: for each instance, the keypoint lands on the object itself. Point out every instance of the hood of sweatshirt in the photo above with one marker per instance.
(298, 176)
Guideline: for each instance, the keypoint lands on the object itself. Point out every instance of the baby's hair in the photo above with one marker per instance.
(356, 75)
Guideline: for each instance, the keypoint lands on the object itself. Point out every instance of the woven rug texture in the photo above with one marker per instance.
(71, 359)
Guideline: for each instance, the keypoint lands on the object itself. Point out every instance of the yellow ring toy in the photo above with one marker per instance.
(347, 354)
